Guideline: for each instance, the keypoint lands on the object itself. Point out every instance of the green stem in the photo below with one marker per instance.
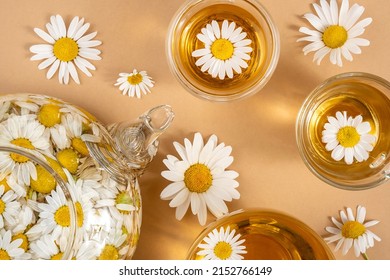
(365, 256)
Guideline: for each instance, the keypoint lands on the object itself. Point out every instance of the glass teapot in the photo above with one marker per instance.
(68, 185)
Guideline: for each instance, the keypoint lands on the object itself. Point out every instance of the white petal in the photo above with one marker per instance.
(338, 153)
(53, 69)
(81, 31)
(172, 176)
(46, 63)
(320, 54)
(312, 47)
(370, 223)
(315, 22)
(334, 12)
(73, 72)
(44, 35)
(331, 145)
(182, 209)
(347, 245)
(61, 26)
(360, 153)
(195, 203)
(343, 12)
(203, 59)
(225, 26)
(326, 10)
(216, 29)
(363, 128)
(205, 39)
(353, 15)
(72, 27)
(180, 198)
(200, 52)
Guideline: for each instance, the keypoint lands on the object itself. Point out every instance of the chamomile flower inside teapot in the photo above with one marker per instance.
(69, 185)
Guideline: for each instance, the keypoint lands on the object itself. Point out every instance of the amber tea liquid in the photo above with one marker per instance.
(356, 99)
(189, 42)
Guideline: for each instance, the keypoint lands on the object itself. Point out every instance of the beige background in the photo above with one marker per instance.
(261, 129)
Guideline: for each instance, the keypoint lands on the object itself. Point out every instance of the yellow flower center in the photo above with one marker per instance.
(222, 49)
(80, 146)
(80, 214)
(57, 257)
(124, 198)
(109, 252)
(62, 216)
(223, 250)
(198, 178)
(66, 49)
(2, 206)
(348, 136)
(45, 182)
(68, 158)
(135, 79)
(4, 255)
(24, 143)
(352, 229)
(335, 36)
(24, 238)
(5, 184)
(49, 115)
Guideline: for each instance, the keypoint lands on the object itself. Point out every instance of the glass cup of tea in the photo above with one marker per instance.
(264, 234)
(343, 131)
(222, 50)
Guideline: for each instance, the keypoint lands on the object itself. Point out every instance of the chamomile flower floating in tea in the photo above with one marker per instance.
(336, 31)
(225, 49)
(199, 179)
(66, 49)
(352, 232)
(135, 83)
(348, 138)
(222, 245)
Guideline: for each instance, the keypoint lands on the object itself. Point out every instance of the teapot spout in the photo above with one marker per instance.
(137, 140)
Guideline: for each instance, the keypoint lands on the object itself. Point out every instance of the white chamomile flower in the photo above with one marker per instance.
(225, 49)
(222, 245)
(9, 249)
(46, 248)
(336, 31)
(353, 232)
(200, 178)
(54, 216)
(9, 207)
(67, 49)
(23, 132)
(348, 138)
(115, 246)
(135, 83)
